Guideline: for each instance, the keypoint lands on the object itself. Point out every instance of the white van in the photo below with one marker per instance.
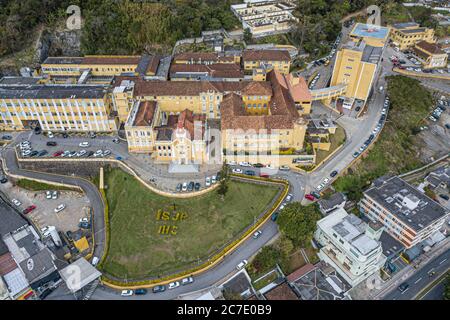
(95, 261)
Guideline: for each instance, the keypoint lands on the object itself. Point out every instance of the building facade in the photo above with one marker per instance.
(279, 60)
(408, 215)
(406, 35)
(350, 246)
(56, 108)
(431, 55)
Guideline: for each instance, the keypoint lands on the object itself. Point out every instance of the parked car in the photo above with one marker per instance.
(50, 135)
(237, 170)
(34, 153)
(249, 172)
(184, 187)
(178, 188)
(186, 281)
(60, 208)
(16, 202)
(315, 194)
(274, 216)
(333, 173)
(284, 168)
(84, 144)
(257, 234)
(6, 137)
(54, 195)
(29, 209)
(444, 196)
(95, 261)
(242, 264)
(197, 186)
(106, 153)
(3, 179)
(244, 164)
(191, 186)
(116, 140)
(325, 181)
(356, 154)
(208, 181)
(48, 194)
(42, 153)
(140, 291)
(258, 165)
(58, 153)
(309, 197)
(159, 289)
(289, 197)
(126, 293)
(403, 287)
(90, 153)
(264, 175)
(213, 179)
(174, 285)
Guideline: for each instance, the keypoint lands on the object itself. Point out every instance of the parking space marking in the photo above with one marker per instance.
(405, 291)
(417, 280)
(443, 261)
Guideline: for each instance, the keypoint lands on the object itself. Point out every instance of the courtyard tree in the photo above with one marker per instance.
(298, 222)
(224, 179)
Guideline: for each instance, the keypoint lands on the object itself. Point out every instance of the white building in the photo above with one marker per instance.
(350, 245)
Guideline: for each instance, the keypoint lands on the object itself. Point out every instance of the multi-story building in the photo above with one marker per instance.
(431, 55)
(177, 138)
(56, 108)
(350, 245)
(406, 35)
(356, 66)
(207, 72)
(265, 17)
(373, 35)
(268, 60)
(206, 58)
(101, 68)
(407, 214)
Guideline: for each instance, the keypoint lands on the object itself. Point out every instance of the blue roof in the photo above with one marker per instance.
(370, 30)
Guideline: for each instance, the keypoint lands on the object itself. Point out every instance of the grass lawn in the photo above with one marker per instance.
(39, 186)
(261, 283)
(137, 250)
(396, 150)
(336, 140)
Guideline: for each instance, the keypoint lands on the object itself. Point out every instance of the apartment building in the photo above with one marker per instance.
(407, 214)
(56, 108)
(268, 60)
(356, 66)
(431, 55)
(265, 17)
(350, 245)
(406, 35)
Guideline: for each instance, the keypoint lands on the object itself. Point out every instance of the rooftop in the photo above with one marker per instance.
(332, 202)
(52, 91)
(431, 48)
(406, 203)
(38, 266)
(88, 273)
(404, 25)
(145, 113)
(266, 55)
(10, 219)
(216, 70)
(370, 31)
(281, 292)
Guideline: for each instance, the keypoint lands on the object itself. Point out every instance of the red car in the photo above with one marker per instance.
(264, 175)
(58, 153)
(309, 197)
(29, 209)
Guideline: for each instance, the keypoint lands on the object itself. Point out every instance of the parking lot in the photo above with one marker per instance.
(77, 207)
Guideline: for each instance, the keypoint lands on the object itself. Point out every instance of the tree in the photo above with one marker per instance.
(224, 179)
(231, 295)
(266, 259)
(298, 222)
(247, 35)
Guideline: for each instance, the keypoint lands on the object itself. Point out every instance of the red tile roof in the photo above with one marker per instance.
(281, 292)
(145, 114)
(432, 48)
(7, 264)
(266, 55)
(153, 65)
(297, 274)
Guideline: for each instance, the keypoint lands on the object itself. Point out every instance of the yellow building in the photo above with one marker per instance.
(373, 35)
(99, 66)
(279, 60)
(355, 66)
(406, 35)
(56, 108)
(431, 55)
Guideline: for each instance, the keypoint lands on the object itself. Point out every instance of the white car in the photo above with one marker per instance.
(242, 264)
(244, 164)
(95, 261)
(319, 187)
(232, 163)
(432, 118)
(174, 285)
(237, 170)
(126, 293)
(54, 195)
(98, 153)
(81, 153)
(16, 202)
(289, 197)
(208, 181)
(184, 187)
(282, 206)
(60, 208)
(257, 234)
(325, 181)
(106, 153)
(270, 166)
(84, 144)
(213, 179)
(50, 135)
(285, 168)
(48, 194)
(186, 281)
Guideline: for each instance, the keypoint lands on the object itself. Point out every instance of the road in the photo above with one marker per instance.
(437, 292)
(420, 279)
